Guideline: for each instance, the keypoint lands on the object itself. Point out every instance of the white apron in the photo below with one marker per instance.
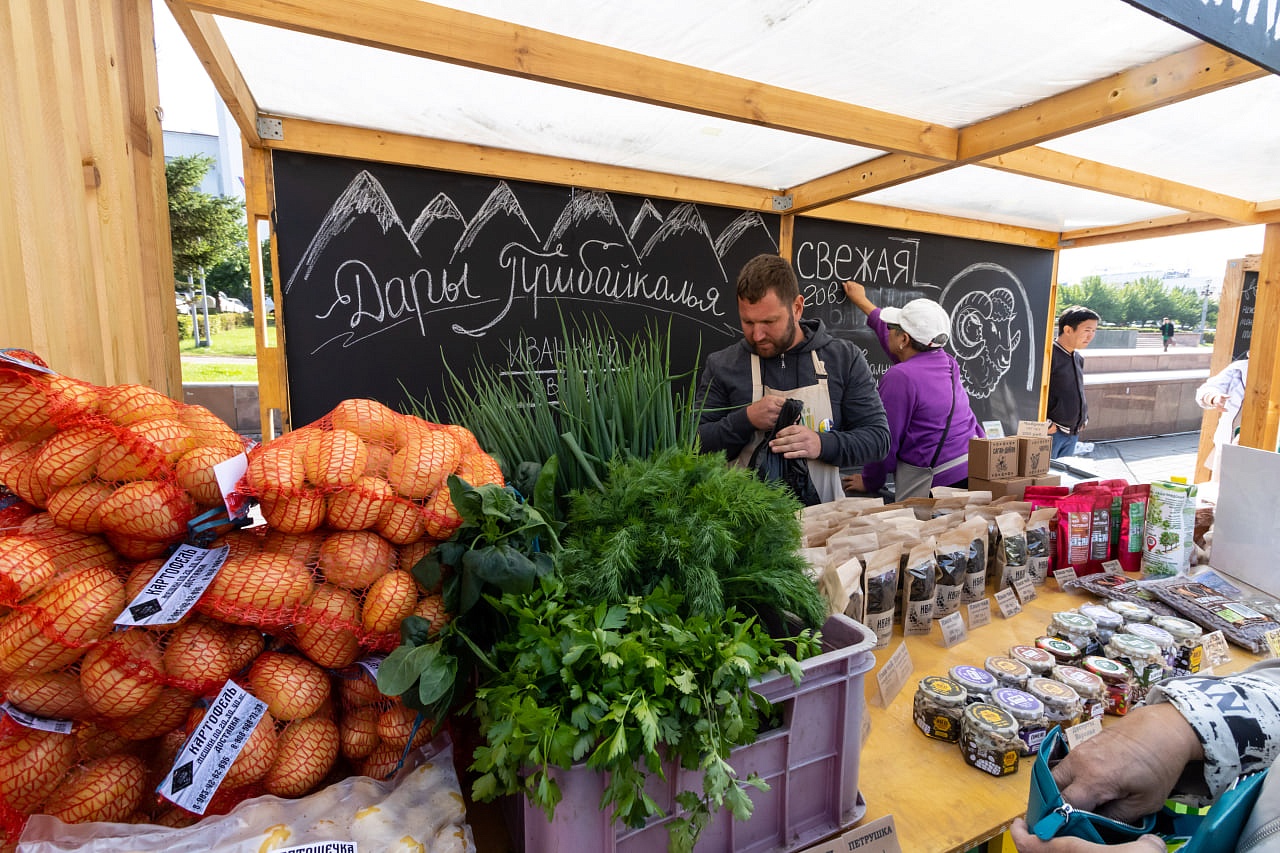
(817, 412)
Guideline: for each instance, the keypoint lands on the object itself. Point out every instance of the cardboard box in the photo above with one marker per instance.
(1011, 487)
(993, 458)
(1033, 455)
(1047, 480)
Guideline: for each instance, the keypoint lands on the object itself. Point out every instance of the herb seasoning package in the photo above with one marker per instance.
(1133, 519)
(989, 739)
(975, 577)
(1007, 671)
(939, 707)
(1170, 530)
(881, 577)
(1188, 654)
(952, 555)
(1118, 680)
(1090, 687)
(1012, 558)
(919, 589)
(977, 682)
(1040, 554)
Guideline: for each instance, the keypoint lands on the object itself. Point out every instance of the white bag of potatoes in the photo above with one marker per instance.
(420, 810)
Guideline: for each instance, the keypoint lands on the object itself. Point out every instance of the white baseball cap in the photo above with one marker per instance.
(924, 320)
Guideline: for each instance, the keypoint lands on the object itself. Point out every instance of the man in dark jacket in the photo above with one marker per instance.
(742, 387)
(1068, 410)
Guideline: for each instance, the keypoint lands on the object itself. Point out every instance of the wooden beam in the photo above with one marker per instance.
(1072, 171)
(1224, 338)
(361, 144)
(435, 32)
(1260, 418)
(206, 40)
(273, 374)
(1196, 71)
(863, 213)
(1165, 226)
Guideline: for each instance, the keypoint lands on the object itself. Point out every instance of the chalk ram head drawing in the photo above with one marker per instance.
(986, 326)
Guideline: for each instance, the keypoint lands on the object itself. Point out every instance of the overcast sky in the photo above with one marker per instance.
(190, 104)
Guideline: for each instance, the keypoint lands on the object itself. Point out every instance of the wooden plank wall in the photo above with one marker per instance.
(86, 270)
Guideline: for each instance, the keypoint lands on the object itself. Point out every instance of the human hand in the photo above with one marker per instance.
(853, 483)
(1052, 428)
(857, 294)
(763, 413)
(1026, 842)
(1128, 770)
(797, 442)
(1218, 401)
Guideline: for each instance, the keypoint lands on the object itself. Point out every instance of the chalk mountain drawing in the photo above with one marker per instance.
(986, 325)
(363, 197)
(583, 209)
(439, 209)
(502, 202)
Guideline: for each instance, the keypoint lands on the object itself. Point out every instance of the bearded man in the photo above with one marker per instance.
(782, 355)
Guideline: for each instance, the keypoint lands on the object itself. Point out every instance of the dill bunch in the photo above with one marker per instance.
(723, 537)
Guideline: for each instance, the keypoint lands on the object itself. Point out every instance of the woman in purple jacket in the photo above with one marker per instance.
(930, 421)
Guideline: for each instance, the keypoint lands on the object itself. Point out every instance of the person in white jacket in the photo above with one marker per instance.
(1194, 737)
(1224, 392)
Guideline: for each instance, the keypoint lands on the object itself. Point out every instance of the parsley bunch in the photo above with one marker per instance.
(624, 687)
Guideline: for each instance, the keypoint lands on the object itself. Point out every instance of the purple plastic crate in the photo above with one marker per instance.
(810, 763)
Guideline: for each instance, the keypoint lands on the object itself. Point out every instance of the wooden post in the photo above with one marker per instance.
(1224, 338)
(273, 377)
(1261, 413)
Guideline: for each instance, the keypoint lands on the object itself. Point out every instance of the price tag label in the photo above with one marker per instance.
(1007, 601)
(953, 629)
(1113, 567)
(204, 759)
(894, 674)
(1025, 589)
(1064, 576)
(979, 613)
(175, 587)
(1034, 429)
(1081, 732)
(228, 474)
(1273, 642)
(31, 721)
(1216, 652)
(993, 429)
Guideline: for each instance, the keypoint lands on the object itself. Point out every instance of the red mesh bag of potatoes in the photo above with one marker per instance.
(364, 466)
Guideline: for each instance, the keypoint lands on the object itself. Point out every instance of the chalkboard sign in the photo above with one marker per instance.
(997, 295)
(391, 274)
(1244, 320)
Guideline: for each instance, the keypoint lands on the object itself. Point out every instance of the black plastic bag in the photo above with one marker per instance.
(792, 473)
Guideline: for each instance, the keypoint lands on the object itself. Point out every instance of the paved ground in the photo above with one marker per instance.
(1138, 460)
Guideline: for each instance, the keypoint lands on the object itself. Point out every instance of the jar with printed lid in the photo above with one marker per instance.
(1107, 620)
(1038, 661)
(1063, 651)
(1188, 639)
(1142, 656)
(1075, 628)
(1118, 679)
(976, 681)
(1091, 689)
(1130, 611)
(939, 707)
(1007, 671)
(1062, 705)
(989, 739)
(1029, 713)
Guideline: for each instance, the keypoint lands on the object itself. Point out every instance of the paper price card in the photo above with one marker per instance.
(1216, 652)
(953, 629)
(993, 429)
(62, 727)
(1064, 576)
(879, 836)
(1035, 429)
(1273, 642)
(1025, 589)
(205, 758)
(176, 586)
(979, 613)
(1081, 732)
(228, 474)
(1007, 601)
(894, 674)
(1113, 567)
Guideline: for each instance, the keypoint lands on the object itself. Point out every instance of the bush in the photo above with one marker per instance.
(217, 323)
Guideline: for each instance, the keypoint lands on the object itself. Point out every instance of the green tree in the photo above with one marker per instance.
(204, 229)
(231, 275)
(1091, 293)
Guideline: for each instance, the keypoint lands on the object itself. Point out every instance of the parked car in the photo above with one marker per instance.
(232, 305)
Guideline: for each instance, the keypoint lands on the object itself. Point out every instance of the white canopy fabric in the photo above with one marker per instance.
(1210, 153)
